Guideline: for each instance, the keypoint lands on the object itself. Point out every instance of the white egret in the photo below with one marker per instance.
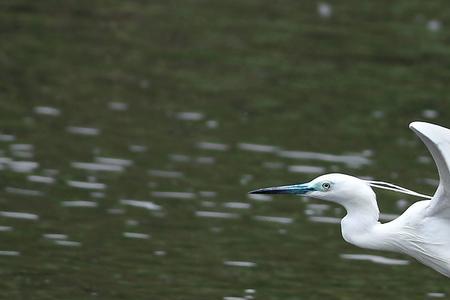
(422, 231)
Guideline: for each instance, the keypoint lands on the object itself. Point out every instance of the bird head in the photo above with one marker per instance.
(334, 187)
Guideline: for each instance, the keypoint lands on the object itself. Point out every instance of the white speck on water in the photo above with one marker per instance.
(401, 204)
(118, 106)
(235, 263)
(378, 114)
(273, 165)
(376, 259)
(430, 181)
(208, 204)
(388, 217)
(9, 253)
(5, 228)
(306, 169)
(22, 166)
(216, 214)
(179, 158)
(23, 154)
(245, 179)
(207, 194)
(97, 195)
(142, 204)
(212, 146)
(50, 172)
(19, 215)
(233, 298)
(41, 179)
(136, 235)
(430, 114)
(97, 166)
(114, 161)
(79, 203)
(260, 197)
(313, 209)
(212, 124)
(205, 160)
(173, 195)
(165, 174)
(55, 236)
(21, 147)
(132, 222)
(23, 192)
(434, 25)
(115, 211)
(237, 205)
(324, 10)
(47, 110)
(190, 116)
(250, 291)
(86, 185)
(436, 295)
(424, 160)
(351, 160)
(257, 147)
(83, 130)
(67, 243)
(281, 220)
(137, 148)
(7, 138)
(159, 253)
(328, 220)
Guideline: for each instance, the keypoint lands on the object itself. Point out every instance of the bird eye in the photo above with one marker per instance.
(326, 186)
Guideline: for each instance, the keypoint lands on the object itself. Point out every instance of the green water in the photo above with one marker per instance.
(157, 82)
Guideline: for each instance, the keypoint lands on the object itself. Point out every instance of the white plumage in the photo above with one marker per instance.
(422, 231)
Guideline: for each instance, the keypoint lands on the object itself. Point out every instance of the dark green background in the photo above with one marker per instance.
(265, 72)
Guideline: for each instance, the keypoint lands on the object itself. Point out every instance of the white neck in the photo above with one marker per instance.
(361, 227)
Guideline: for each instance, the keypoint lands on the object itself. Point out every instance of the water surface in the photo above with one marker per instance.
(130, 134)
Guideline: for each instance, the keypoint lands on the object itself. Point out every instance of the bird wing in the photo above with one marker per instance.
(437, 140)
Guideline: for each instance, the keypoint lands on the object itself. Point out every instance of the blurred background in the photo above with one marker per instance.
(131, 132)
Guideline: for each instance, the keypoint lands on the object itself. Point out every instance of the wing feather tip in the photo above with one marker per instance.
(416, 125)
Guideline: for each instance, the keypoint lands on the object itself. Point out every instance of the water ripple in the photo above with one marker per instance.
(376, 259)
(55, 236)
(173, 195)
(19, 215)
(5, 228)
(79, 203)
(41, 179)
(143, 204)
(97, 166)
(47, 110)
(216, 214)
(351, 160)
(190, 116)
(306, 169)
(89, 131)
(86, 185)
(212, 146)
(114, 161)
(23, 192)
(257, 147)
(67, 243)
(165, 174)
(236, 263)
(9, 253)
(329, 220)
(281, 220)
(136, 235)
